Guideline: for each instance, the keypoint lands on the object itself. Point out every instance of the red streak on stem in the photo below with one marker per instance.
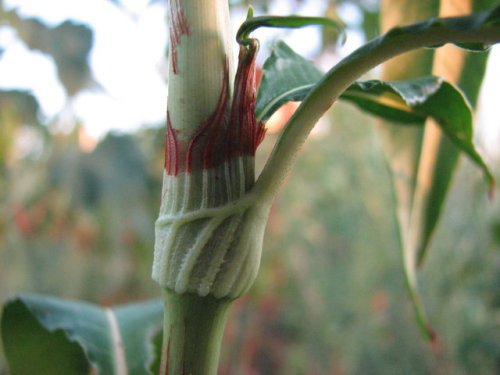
(165, 366)
(202, 146)
(249, 133)
(171, 150)
(229, 132)
(178, 27)
(184, 349)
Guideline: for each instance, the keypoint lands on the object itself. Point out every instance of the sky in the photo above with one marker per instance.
(127, 67)
(128, 61)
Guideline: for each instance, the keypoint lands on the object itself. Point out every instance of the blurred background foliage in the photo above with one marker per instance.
(78, 217)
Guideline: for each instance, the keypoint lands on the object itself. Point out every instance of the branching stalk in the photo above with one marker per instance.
(345, 73)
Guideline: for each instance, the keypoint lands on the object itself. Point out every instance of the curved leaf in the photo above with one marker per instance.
(288, 76)
(415, 100)
(53, 336)
(288, 22)
(466, 70)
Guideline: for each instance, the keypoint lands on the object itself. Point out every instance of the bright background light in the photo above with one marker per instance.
(128, 61)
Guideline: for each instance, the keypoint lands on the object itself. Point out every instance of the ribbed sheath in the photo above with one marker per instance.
(208, 242)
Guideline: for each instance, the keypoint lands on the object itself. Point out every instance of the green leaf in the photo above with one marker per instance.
(414, 100)
(280, 84)
(286, 76)
(402, 146)
(289, 22)
(46, 335)
(423, 161)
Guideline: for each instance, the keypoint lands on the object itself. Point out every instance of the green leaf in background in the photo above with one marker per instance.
(46, 335)
(422, 160)
(17, 108)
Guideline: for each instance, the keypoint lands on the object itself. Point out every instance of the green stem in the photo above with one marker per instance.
(192, 334)
(341, 76)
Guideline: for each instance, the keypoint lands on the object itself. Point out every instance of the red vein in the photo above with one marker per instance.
(171, 149)
(167, 359)
(210, 158)
(208, 135)
(178, 27)
(227, 133)
(184, 348)
(246, 133)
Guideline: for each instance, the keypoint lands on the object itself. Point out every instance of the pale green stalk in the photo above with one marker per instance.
(209, 231)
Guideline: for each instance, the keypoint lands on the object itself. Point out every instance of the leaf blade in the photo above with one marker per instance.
(426, 97)
(39, 352)
(286, 76)
(86, 326)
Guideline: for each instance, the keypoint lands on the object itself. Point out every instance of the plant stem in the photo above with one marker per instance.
(208, 236)
(193, 329)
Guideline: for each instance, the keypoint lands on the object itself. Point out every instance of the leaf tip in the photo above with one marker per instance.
(436, 344)
(250, 12)
(432, 336)
(426, 329)
(491, 189)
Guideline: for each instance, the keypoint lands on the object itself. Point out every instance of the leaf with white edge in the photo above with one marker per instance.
(46, 335)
